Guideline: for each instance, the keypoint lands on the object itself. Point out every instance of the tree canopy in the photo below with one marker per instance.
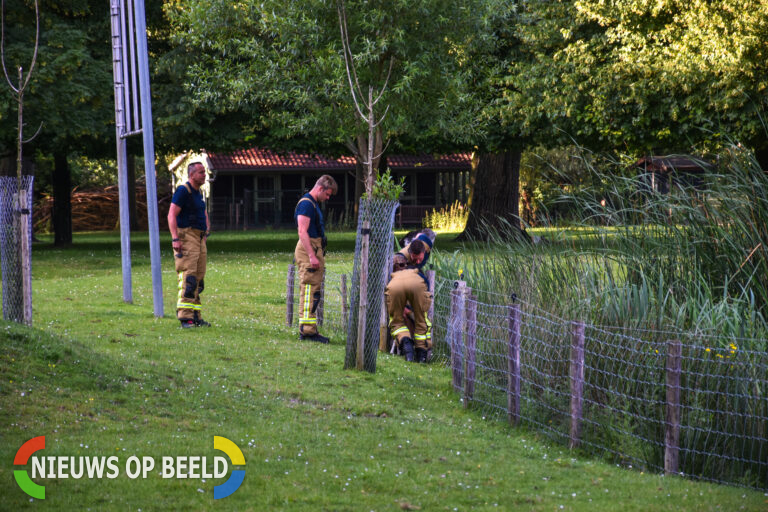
(282, 62)
(643, 76)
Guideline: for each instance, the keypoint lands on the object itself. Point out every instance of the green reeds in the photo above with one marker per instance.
(448, 218)
(690, 264)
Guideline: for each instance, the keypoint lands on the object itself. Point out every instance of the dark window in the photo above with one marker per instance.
(425, 185)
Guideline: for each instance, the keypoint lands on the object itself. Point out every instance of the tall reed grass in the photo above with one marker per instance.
(691, 264)
(448, 218)
(694, 259)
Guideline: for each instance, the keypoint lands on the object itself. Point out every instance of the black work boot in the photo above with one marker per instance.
(199, 322)
(408, 348)
(314, 337)
(421, 355)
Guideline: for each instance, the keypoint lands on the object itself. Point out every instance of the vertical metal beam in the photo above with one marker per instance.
(149, 156)
(122, 170)
(126, 53)
(132, 46)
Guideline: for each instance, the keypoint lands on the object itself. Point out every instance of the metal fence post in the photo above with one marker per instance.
(289, 295)
(344, 303)
(321, 304)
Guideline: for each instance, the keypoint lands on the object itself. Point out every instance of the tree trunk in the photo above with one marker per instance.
(495, 194)
(62, 201)
(133, 218)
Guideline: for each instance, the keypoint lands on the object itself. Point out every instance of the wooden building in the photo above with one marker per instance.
(662, 172)
(253, 188)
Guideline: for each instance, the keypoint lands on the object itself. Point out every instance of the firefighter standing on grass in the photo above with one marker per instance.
(309, 255)
(189, 226)
(409, 286)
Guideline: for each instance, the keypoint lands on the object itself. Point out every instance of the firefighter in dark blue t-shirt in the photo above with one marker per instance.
(309, 255)
(189, 226)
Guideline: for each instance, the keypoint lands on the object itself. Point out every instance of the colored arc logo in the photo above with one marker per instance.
(22, 477)
(237, 476)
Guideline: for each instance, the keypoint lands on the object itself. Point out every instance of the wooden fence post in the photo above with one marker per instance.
(513, 375)
(672, 423)
(577, 382)
(470, 347)
(456, 331)
(26, 257)
(289, 295)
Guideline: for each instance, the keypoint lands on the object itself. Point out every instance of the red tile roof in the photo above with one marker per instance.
(257, 159)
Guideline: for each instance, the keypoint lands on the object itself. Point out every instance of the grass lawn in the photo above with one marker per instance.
(99, 377)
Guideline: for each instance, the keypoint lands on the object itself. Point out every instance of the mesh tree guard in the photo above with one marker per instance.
(12, 239)
(373, 253)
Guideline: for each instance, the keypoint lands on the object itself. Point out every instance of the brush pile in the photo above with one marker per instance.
(99, 209)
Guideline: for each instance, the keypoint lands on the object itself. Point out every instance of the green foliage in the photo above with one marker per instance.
(642, 75)
(70, 91)
(386, 187)
(282, 63)
(448, 218)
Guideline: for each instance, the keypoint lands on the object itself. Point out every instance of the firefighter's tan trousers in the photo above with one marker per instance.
(310, 281)
(408, 287)
(190, 266)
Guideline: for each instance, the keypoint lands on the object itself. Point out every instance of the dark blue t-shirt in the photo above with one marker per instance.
(312, 210)
(192, 206)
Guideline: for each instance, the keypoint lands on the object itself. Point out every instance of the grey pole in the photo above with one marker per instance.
(118, 52)
(149, 156)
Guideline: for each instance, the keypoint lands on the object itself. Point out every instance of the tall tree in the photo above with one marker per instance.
(498, 139)
(283, 62)
(647, 76)
(72, 93)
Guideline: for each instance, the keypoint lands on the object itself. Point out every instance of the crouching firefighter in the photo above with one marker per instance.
(410, 287)
(189, 226)
(309, 255)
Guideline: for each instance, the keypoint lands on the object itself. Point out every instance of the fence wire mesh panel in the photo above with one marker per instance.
(612, 391)
(11, 221)
(373, 256)
(660, 401)
(334, 306)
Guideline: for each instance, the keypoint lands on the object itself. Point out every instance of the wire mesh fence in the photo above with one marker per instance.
(676, 402)
(373, 263)
(333, 310)
(660, 401)
(15, 247)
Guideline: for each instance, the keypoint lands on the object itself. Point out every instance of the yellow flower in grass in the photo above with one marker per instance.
(707, 349)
